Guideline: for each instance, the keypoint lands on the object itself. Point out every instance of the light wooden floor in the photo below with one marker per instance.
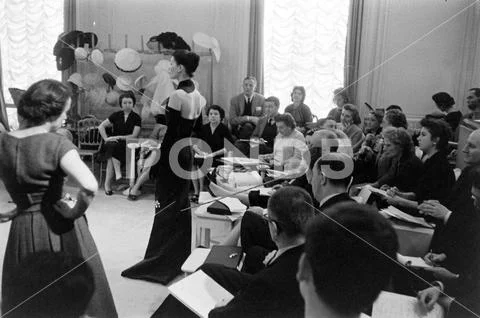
(121, 229)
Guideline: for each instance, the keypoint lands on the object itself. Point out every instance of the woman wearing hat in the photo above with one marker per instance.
(170, 239)
(445, 103)
(125, 124)
(34, 163)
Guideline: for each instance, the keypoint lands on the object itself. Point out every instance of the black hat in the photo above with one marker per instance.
(89, 38)
(109, 79)
(443, 99)
(65, 58)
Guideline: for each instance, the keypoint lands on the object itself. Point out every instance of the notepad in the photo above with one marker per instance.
(396, 213)
(390, 305)
(416, 262)
(200, 293)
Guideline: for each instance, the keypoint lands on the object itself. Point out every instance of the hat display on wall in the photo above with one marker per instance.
(109, 79)
(65, 58)
(89, 38)
(76, 79)
(81, 54)
(140, 82)
(124, 83)
(208, 42)
(96, 56)
(128, 60)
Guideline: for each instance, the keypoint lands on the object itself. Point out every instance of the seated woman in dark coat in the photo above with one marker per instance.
(300, 112)
(438, 178)
(125, 124)
(407, 168)
(213, 134)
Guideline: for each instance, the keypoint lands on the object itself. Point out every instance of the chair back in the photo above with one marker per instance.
(88, 134)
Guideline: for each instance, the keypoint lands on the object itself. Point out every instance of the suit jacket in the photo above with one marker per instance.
(273, 292)
(237, 106)
(338, 198)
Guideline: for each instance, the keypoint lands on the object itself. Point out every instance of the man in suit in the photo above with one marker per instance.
(473, 103)
(272, 292)
(348, 260)
(246, 109)
(265, 129)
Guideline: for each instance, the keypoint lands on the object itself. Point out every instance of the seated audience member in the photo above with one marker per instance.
(246, 109)
(266, 129)
(289, 145)
(394, 107)
(69, 281)
(340, 98)
(473, 103)
(457, 262)
(347, 261)
(407, 168)
(437, 178)
(446, 103)
(149, 155)
(300, 112)
(366, 158)
(273, 291)
(214, 135)
(394, 118)
(125, 124)
(350, 119)
(459, 198)
(329, 177)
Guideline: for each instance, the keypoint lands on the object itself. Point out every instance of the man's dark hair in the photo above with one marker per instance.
(68, 280)
(351, 249)
(292, 207)
(394, 107)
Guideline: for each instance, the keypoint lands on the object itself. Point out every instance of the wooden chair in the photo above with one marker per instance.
(89, 140)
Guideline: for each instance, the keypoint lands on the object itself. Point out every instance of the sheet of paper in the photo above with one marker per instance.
(417, 262)
(390, 305)
(205, 197)
(396, 213)
(375, 190)
(203, 156)
(364, 195)
(200, 293)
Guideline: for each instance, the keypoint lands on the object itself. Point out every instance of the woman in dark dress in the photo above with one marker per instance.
(125, 124)
(407, 168)
(35, 161)
(437, 178)
(170, 239)
(300, 112)
(213, 134)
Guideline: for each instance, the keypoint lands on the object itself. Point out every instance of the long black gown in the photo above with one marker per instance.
(170, 239)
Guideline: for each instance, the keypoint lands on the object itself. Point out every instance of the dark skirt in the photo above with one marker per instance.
(31, 233)
(115, 149)
(170, 239)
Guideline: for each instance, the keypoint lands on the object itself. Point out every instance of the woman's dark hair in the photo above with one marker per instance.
(400, 137)
(217, 108)
(287, 118)
(127, 94)
(396, 118)
(378, 115)
(438, 129)
(444, 101)
(189, 60)
(355, 115)
(171, 40)
(392, 107)
(301, 89)
(44, 101)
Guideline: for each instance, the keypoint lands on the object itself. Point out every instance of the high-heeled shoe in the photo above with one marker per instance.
(108, 192)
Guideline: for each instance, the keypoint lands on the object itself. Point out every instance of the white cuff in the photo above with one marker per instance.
(446, 217)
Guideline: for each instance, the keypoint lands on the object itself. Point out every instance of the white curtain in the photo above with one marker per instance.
(305, 45)
(28, 32)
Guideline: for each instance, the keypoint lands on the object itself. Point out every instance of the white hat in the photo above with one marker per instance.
(140, 82)
(124, 83)
(216, 49)
(96, 57)
(76, 79)
(128, 60)
(81, 54)
(203, 40)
